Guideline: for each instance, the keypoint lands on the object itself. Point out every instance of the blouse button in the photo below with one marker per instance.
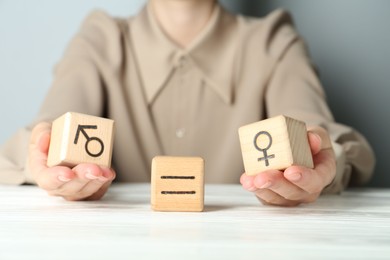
(180, 132)
(182, 61)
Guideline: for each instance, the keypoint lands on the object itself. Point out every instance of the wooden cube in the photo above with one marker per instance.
(177, 183)
(274, 143)
(78, 138)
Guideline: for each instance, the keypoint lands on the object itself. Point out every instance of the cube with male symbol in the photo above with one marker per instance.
(78, 138)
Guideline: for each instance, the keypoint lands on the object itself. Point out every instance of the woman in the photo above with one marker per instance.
(180, 78)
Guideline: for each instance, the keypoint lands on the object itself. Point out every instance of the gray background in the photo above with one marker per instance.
(348, 41)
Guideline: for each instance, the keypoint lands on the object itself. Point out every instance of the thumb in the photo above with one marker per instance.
(40, 137)
(319, 139)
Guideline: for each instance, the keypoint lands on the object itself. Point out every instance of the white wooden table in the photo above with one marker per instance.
(355, 225)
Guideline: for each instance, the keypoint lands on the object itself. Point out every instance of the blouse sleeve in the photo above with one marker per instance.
(78, 86)
(294, 90)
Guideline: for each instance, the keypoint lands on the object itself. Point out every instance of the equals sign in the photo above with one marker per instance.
(178, 192)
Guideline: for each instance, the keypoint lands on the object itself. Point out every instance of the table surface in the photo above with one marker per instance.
(234, 225)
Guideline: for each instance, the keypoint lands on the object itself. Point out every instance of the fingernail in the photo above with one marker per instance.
(91, 176)
(266, 185)
(294, 176)
(317, 136)
(63, 178)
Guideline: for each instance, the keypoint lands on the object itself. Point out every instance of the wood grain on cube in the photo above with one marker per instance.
(177, 183)
(78, 138)
(274, 143)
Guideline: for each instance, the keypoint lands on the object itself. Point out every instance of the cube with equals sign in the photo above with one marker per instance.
(177, 183)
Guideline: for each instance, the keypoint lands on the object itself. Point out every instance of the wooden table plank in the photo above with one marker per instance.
(354, 225)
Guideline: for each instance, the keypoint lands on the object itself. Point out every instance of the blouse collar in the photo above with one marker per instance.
(212, 52)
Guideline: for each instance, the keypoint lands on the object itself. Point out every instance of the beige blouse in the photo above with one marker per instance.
(166, 100)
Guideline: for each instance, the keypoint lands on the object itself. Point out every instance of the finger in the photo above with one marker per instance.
(90, 188)
(46, 178)
(38, 148)
(108, 173)
(268, 197)
(314, 180)
(100, 192)
(318, 139)
(275, 181)
(44, 142)
(247, 182)
(96, 187)
(54, 178)
(40, 137)
(49, 178)
(111, 175)
(314, 142)
(265, 179)
(38, 130)
(85, 173)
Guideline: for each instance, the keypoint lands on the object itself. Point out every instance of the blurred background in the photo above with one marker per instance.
(349, 42)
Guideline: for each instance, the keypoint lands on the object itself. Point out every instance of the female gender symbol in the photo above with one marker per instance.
(264, 150)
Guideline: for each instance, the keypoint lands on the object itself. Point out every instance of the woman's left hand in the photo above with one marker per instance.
(296, 184)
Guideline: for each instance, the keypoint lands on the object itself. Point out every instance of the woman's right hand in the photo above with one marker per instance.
(83, 182)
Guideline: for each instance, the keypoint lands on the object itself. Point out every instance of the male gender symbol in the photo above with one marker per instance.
(81, 128)
(264, 150)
